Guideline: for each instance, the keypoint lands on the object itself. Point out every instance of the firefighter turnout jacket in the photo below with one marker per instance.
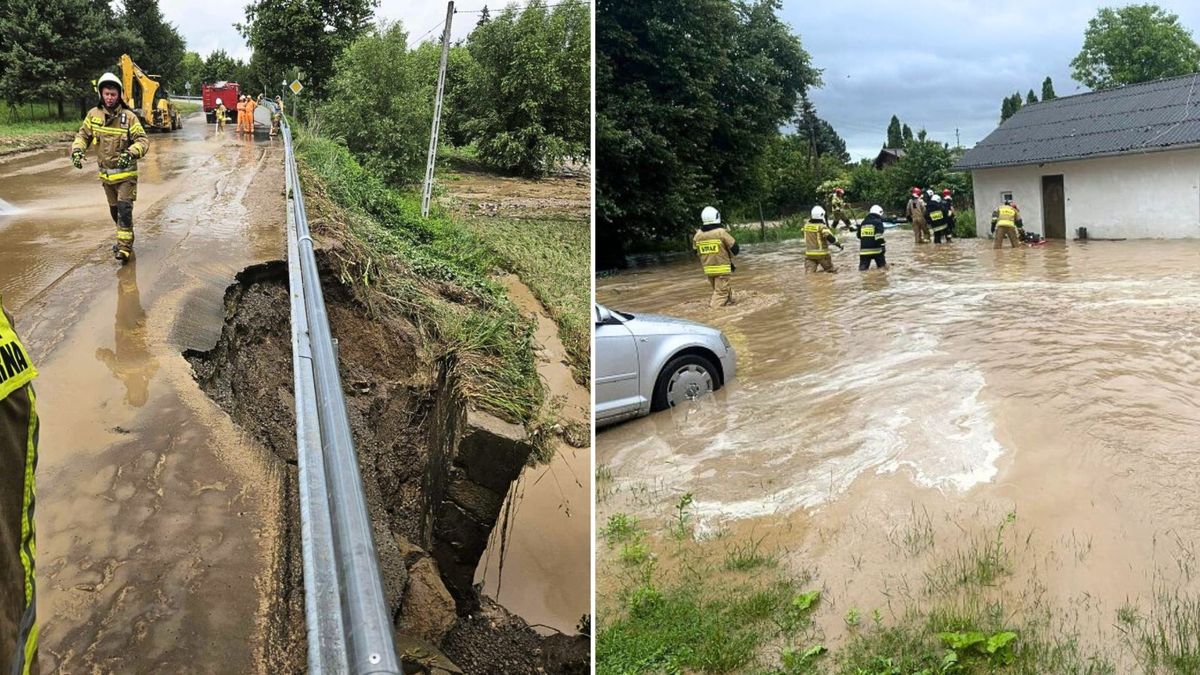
(108, 134)
(18, 461)
(817, 238)
(716, 248)
(870, 235)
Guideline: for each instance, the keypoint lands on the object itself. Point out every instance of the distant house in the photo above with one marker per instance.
(1123, 163)
(888, 156)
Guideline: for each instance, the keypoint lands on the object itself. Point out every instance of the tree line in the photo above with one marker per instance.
(517, 87)
(52, 50)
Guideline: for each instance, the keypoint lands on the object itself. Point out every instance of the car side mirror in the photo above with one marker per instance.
(603, 316)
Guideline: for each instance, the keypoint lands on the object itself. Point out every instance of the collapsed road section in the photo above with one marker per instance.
(432, 468)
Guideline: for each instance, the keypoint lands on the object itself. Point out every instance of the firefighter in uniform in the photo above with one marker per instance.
(939, 221)
(837, 206)
(1005, 221)
(915, 210)
(276, 116)
(241, 113)
(119, 141)
(251, 104)
(220, 113)
(18, 462)
(817, 238)
(870, 240)
(716, 248)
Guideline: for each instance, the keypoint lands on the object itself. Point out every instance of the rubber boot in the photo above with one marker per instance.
(123, 249)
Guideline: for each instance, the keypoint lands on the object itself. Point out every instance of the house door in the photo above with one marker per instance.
(1054, 207)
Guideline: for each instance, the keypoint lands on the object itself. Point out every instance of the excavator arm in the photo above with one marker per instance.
(147, 86)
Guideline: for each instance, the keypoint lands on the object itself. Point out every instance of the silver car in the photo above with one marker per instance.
(646, 362)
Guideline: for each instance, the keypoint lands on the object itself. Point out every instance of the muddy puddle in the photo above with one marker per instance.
(538, 559)
(928, 403)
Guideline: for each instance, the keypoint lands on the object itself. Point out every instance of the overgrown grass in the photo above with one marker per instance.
(433, 271)
(964, 224)
(187, 107)
(553, 258)
(717, 613)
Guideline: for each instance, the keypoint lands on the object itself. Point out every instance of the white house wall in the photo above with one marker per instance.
(1146, 196)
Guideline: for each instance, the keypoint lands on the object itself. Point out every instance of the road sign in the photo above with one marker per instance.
(188, 85)
(296, 86)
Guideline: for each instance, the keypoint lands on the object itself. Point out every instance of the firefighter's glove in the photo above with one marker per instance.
(124, 160)
(77, 158)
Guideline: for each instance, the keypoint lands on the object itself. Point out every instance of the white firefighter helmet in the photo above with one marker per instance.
(937, 199)
(111, 80)
(219, 102)
(710, 216)
(877, 210)
(818, 213)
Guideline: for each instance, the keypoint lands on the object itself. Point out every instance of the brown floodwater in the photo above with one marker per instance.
(158, 520)
(538, 560)
(962, 384)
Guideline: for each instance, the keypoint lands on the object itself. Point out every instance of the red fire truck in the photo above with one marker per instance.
(227, 92)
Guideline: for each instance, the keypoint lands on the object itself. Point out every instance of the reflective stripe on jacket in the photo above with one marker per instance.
(715, 247)
(816, 242)
(1006, 216)
(109, 134)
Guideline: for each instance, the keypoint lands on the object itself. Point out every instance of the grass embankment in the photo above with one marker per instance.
(28, 127)
(727, 606)
(433, 271)
(548, 248)
(187, 107)
(553, 258)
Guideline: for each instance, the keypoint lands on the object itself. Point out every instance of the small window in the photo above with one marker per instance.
(1005, 196)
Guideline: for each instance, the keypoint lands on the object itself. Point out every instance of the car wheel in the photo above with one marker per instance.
(683, 379)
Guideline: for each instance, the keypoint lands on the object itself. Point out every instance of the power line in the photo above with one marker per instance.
(480, 11)
(426, 34)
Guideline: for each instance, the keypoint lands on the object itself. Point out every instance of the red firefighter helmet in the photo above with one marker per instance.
(839, 190)
(916, 191)
(946, 191)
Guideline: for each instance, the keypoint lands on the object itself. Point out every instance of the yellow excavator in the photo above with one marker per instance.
(156, 111)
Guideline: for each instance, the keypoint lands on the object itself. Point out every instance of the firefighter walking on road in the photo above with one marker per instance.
(1006, 219)
(251, 104)
(871, 246)
(18, 462)
(915, 210)
(716, 248)
(837, 207)
(118, 141)
(220, 113)
(817, 239)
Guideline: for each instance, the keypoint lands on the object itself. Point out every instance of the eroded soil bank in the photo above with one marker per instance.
(435, 473)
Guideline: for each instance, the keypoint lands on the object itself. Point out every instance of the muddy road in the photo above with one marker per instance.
(925, 404)
(158, 520)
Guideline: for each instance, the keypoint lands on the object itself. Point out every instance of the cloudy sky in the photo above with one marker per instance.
(210, 27)
(879, 59)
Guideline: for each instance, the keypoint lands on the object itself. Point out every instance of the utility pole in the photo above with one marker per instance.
(437, 113)
(957, 143)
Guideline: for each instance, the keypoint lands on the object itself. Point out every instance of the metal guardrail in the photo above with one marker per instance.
(347, 620)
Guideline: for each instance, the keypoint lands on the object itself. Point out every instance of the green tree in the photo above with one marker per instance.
(305, 34)
(381, 103)
(191, 69)
(1031, 97)
(1006, 108)
(530, 87)
(1135, 43)
(163, 47)
(907, 134)
(895, 134)
(689, 94)
(53, 49)
(1048, 90)
(220, 66)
